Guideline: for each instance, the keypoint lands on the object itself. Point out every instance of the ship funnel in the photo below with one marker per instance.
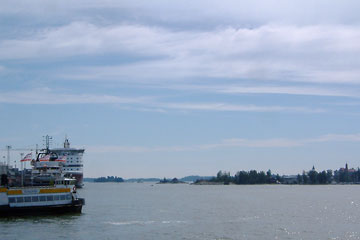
(66, 143)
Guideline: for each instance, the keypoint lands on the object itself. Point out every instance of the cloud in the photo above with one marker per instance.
(48, 97)
(315, 60)
(284, 53)
(187, 13)
(237, 108)
(346, 104)
(264, 89)
(146, 103)
(231, 143)
(82, 38)
(335, 138)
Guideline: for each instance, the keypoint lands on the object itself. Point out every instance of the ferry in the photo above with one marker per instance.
(50, 191)
(73, 163)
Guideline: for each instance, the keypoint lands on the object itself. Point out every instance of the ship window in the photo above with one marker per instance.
(50, 198)
(62, 197)
(56, 198)
(11, 200)
(35, 199)
(42, 198)
(27, 199)
(20, 199)
(68, 197)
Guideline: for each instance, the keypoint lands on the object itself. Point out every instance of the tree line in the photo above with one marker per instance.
(109, 179)
(247, 177)
(343, 175)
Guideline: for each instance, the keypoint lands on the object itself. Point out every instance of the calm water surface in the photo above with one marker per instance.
(152, 211)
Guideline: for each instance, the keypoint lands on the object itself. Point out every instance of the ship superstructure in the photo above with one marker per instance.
(73, 163)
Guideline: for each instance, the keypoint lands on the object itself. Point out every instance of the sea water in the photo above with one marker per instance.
(182, 211)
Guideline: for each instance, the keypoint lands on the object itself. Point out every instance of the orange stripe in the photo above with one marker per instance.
(55, 190)
(3, 189)
(15, 192)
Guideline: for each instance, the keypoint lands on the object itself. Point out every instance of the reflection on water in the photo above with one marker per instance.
(145, 211)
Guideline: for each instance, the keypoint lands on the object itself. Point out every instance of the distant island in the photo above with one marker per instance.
(343, 175)
(195, 178)
(109, 179)
(172, 181)
(192, 178)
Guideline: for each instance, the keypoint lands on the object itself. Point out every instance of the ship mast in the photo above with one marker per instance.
(48, 140)
(66, 143)
(8, 155)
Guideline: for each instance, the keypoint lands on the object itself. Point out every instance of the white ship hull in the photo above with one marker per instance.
(73, 166)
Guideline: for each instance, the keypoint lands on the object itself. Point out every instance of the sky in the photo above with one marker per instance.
(175, 88)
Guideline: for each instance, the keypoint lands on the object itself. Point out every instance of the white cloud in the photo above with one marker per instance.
(187, 13)
(48, 97)
(320, 54)
(231, 143)
(263, 89)
(335, 138)
(346, 104)
(237, 108)
(270, 59)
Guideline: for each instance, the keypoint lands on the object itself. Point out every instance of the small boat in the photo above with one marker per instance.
(49, 193)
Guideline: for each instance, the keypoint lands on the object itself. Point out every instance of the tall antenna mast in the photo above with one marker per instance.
(22, 167)
(8, 155)
(48, 141)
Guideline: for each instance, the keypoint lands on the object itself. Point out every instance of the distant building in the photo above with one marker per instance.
(3, 168)
(346, 175)
(290, 179)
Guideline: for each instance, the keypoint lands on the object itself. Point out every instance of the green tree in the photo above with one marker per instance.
(313, 176)
(223, 177)
(299, 179)
(305, 178)
(242, 177)
(261, 178)
(268, 176)
(329, 176)
(358, 175)
(321, 177)
(253, 177)
(342, 176)
(219, 176)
